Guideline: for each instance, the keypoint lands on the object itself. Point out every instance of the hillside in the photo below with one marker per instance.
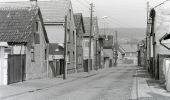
(126, 35)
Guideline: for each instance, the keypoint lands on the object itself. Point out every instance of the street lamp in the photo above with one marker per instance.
(104, 18)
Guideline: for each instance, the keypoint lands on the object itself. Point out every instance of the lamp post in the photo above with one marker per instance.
(104, 18)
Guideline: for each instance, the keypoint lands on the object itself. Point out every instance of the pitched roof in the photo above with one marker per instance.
(87, 26)
(52, 11)
(16, 24)
(119, 48)
(78, 19)
(55, 49)
(129, 47)
(108, 44)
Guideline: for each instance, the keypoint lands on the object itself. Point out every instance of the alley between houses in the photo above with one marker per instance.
(113, 83)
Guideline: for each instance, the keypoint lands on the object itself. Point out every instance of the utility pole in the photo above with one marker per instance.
(65, 51)
(91, 25)
(147, 47)
(116, 54)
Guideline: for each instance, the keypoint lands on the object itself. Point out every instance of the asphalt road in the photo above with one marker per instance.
(111, 84)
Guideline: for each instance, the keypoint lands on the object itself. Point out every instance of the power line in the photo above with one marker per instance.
(82, 4)
(161, 3)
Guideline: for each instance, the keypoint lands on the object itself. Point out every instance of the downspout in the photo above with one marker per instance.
(75, 56)
(96, 56)
(21, 64)
(47, 59)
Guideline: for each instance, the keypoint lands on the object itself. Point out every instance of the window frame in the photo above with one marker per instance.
(32, 54)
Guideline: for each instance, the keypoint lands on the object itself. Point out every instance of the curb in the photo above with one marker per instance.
(134, 91)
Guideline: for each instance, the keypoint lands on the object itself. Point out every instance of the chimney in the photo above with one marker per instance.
(33, 3)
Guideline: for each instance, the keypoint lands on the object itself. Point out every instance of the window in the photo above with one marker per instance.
(73, 37)
(32, 54)
(73, 56)
(70, 13)
(45, 54)
(79, 59)
(86, 44)
(36, 34)
(68, 35)
(68, 57)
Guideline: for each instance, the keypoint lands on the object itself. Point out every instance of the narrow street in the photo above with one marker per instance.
(110, 84)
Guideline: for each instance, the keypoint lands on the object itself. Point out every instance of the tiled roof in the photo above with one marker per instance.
(108, 44)
(129, 47)
(78, 18)
(119, 48)
(52, 11)
(55, 49)
(87, 26)
(16, 24)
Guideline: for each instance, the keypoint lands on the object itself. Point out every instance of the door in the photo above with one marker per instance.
(16, 68)
(61, 66)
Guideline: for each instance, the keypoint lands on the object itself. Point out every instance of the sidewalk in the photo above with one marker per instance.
(40, 84)
(148, 88)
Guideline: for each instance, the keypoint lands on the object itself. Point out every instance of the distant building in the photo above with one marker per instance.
(56, 59)
(23, 45)
(80, 31)
(121, 53)
(94, 35)
(130, 53)
(108, 51)
(99, 53)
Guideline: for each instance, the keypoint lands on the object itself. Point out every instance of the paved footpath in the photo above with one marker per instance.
(148, 88)
(114, 83)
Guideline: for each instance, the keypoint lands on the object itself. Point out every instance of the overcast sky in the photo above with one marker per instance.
(121, 13)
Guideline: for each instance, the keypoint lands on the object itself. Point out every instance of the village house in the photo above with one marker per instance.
(94, 35)
(158, 52)
(120, 53)
(56, 59)
(108, 51)
(80, 30)
(130, 53)
(99, 53)
(23, 45)
(54, 13)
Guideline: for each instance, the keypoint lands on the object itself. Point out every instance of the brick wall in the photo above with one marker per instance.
(38, 68)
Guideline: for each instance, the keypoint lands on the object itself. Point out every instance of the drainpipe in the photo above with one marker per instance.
(21, 64)
(75, 54)
(47, 59)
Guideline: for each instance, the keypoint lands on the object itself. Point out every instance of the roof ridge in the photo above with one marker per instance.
(18, 8)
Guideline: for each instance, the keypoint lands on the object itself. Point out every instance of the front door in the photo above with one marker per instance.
(16, 68)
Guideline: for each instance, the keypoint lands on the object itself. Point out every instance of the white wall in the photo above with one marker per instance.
(162, 26)
(3, 67)
(86, 49)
